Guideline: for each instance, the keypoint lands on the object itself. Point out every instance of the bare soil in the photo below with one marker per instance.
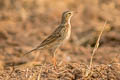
(25, 23)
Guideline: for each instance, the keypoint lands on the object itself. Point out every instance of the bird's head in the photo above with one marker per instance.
(66, 16)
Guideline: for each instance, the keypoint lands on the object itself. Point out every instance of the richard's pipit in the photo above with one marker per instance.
(61, 34)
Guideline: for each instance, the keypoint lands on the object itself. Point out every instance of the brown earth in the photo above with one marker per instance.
(25, 23)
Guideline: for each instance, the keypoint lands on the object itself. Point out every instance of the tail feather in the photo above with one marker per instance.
(30, 51)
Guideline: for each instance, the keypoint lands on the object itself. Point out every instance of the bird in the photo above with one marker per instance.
(57, 37)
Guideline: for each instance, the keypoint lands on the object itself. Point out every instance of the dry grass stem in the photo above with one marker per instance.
(97, 45)
(95, 48)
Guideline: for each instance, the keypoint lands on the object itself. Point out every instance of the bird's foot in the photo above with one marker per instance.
(54, 62)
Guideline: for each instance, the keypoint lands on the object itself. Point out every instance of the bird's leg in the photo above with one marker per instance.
(54, 59)
(53, 52)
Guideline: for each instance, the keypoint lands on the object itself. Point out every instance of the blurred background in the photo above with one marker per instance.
(25, 23)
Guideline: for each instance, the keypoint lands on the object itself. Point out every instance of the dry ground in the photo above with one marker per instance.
(25, 23)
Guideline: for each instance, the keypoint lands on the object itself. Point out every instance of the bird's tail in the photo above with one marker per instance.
(31, 51)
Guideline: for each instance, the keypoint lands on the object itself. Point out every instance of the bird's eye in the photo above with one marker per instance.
(69, 13)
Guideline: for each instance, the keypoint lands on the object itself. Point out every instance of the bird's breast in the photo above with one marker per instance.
(68, 31)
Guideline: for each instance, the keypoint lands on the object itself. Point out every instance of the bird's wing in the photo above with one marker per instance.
(50, 39)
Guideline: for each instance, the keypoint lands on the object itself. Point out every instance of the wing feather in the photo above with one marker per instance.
(53, 37)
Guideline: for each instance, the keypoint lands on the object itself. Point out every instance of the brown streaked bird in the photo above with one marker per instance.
(61, 34)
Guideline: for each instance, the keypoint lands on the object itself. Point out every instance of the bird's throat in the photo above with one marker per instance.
(65, 21)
